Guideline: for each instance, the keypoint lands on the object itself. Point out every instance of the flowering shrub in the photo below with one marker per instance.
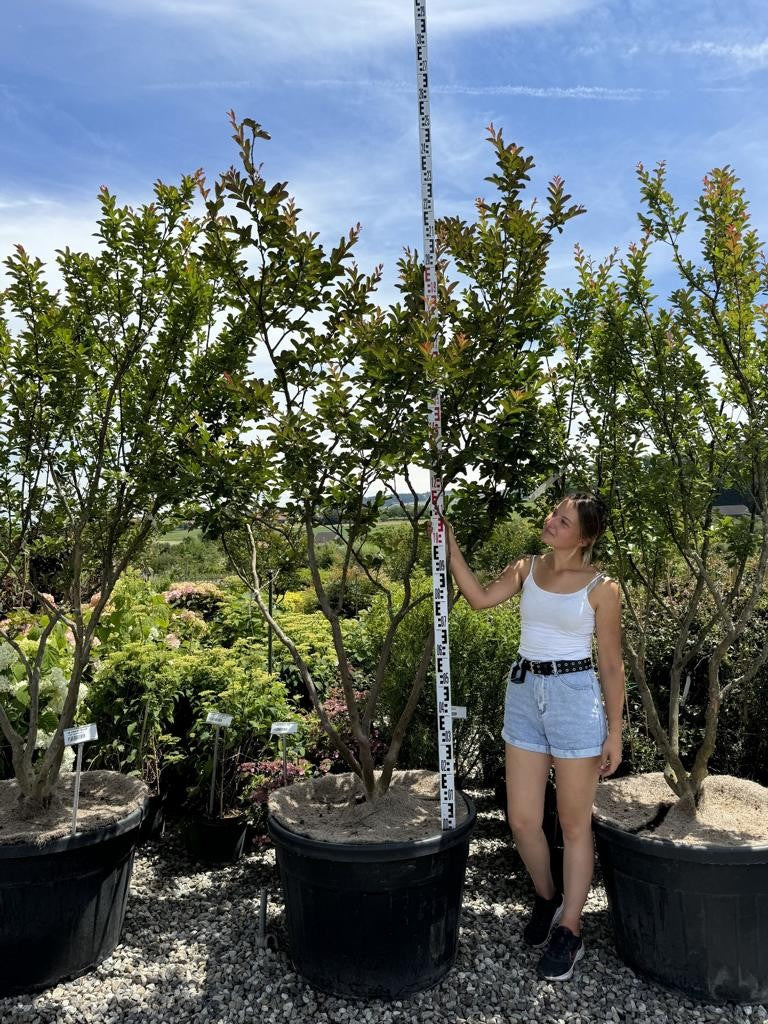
(202, 597)
(55, 671)
(260, 778)
(267, 776)
(318, 749)
(188, 626)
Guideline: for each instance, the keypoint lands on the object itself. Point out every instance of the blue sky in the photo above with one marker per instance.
(122, 92)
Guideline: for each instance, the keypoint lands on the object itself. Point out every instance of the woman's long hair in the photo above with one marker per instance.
(593, 519)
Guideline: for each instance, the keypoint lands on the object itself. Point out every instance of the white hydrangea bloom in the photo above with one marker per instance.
(56, 685)
(43, 740)
(57, 678)
(8, 656)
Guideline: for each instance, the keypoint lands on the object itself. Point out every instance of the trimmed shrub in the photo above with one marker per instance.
(483, 645)
(509, 541)
(237, 616)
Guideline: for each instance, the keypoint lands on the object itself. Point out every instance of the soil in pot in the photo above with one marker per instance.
(372, 892)
(731, 811)
(689, 894)
(334, 809)
(105, 798)
(63, 897)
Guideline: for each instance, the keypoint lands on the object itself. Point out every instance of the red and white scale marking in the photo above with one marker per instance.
(439, 561)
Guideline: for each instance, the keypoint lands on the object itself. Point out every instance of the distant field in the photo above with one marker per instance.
(382, 523)
(177, 536)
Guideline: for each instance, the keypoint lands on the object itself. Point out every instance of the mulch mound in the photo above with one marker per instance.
(334, 809)
(731, 811)
(105, 798)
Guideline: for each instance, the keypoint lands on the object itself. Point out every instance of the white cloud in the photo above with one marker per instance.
(42, 225)
(746, 56)
(573, 92)
(338, 23)
(750, 56)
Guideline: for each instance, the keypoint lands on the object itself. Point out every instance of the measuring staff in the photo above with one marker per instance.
(439, 560)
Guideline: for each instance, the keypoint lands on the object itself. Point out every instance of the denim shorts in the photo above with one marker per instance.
(561, 715)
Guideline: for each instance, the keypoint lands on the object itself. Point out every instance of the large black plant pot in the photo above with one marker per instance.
(62, 904)
(217, 840)
(694, 918)
(153, 826)
(373, 921)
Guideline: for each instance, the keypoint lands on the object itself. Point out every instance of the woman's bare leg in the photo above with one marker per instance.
(576, 780)
(527, 774)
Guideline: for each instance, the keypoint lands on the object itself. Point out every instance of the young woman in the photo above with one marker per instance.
(555, 712)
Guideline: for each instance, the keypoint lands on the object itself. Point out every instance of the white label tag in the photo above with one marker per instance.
(80, 734)
(458, 712)
(218, 718)
(283, 728)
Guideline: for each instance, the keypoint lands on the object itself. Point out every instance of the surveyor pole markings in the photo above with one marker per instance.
(439, 560)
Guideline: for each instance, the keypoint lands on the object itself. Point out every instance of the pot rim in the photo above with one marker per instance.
(91, 837)
(232, 819)
(401, 849)
(673, 849)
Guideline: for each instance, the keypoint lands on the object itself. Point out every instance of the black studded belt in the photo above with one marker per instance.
(546, 668)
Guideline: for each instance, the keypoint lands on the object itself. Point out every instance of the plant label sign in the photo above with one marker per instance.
(80, 734)
(76, 737)
(283, 728)
(218, 718)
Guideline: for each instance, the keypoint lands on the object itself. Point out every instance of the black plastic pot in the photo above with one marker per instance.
(373, 921)
(62, 904)
(694, 918)
(216, 840)
(153, 826)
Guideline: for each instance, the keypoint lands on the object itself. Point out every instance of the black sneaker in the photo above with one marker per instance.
(544, 917)
(561, 955)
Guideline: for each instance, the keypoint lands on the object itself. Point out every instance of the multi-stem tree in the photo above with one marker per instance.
(111, 391)
(673, 400)
(342, 406)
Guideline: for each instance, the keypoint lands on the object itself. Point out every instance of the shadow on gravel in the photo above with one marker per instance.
(190, 955)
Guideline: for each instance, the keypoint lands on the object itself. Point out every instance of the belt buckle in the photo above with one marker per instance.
(517, 673)
(554, 667)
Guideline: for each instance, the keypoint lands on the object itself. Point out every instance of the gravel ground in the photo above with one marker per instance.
(188, 955)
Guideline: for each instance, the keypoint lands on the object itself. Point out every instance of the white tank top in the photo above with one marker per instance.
(556, 626)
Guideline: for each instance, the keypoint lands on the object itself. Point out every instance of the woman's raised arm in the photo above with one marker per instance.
(477, 595)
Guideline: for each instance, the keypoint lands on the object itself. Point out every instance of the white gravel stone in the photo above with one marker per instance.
(189, 956)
